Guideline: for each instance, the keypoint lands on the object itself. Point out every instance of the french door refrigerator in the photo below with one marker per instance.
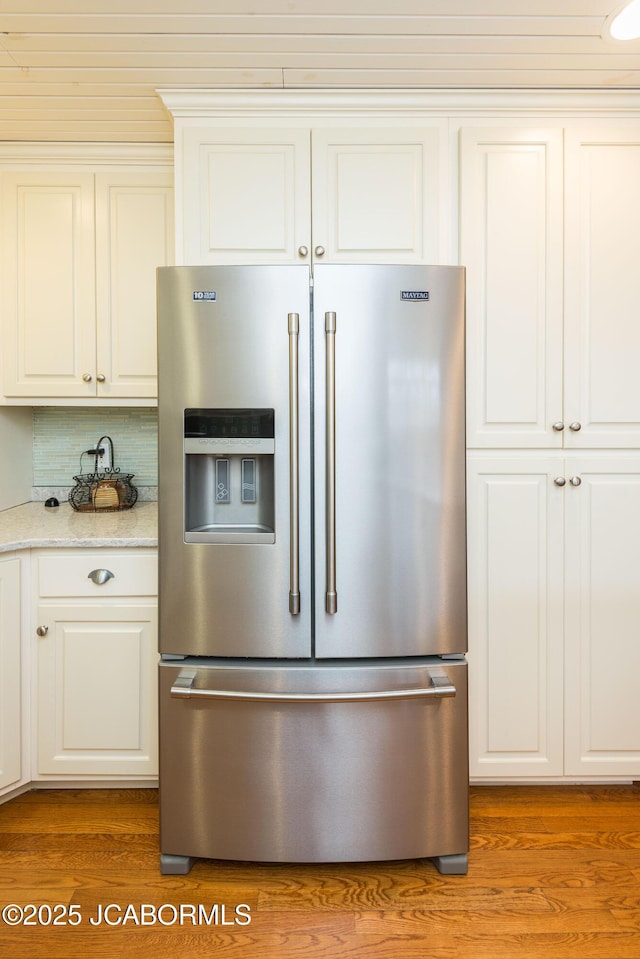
(313, 699)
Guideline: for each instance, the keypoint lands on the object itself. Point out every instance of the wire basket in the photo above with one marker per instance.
(102, 491)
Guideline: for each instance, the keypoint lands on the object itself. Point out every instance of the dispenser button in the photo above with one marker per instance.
(222, 481)
(248, 494)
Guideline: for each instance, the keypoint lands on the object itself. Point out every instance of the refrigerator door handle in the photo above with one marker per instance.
(440, 688)
(331, 595)
(294, 488)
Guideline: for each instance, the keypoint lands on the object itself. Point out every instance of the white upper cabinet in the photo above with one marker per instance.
(511, 245)
(602, 287)
(245, 195)
(134, 235)
(48, 283)
(375, 195)
(298, 194)
(79, 253)
(551, 369)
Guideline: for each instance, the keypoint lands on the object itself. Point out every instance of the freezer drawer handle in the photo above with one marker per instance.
(440, 688)
(294, 501)
(331, 595)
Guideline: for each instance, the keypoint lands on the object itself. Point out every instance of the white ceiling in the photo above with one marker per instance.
(89, 69)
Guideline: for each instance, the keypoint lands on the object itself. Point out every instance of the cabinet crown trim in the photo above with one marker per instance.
(211, 103)
(93, 155)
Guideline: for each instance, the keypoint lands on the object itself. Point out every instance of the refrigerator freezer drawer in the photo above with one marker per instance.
(327, 763)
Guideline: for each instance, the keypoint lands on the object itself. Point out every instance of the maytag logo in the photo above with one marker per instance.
(200, 295)
(414, 295)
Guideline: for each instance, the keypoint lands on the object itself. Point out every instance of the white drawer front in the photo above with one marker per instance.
(67, 573)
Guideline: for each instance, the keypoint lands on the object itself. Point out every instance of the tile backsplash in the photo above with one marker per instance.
(61, 434)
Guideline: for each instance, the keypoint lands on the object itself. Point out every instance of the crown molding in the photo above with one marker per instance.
(199, 103)
(81, 154)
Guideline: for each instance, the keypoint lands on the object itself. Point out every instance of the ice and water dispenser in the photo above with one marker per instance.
(229, 487)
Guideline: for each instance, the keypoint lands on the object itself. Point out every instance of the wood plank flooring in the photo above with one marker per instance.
(554, 873)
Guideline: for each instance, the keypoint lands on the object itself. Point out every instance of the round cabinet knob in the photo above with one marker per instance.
(560, 481)
(86, 377)
(42, 630)
(576, 427)
(575, 481)
(303, 251)
(319, 251)
(101, 377)
(558, 427)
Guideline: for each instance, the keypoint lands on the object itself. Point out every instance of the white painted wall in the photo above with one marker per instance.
(16, 444)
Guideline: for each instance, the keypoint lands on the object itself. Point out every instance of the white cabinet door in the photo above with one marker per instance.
(602, 287)
(10, 673)
(515, 515)
(48, 286)
(603, 616)
(376, 194)
(243, 195)
(96, 690)
(134, 235)
(511, 245)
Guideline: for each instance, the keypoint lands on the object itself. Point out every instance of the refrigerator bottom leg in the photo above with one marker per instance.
(175, 865)
(457, 865)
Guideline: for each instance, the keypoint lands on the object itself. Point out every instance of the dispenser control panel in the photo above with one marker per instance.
(229, 424)
(229, 475)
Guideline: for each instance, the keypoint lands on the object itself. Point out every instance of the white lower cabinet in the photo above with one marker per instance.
(554, 615)
(602, 617)
(95, 687)
(11, 730)
(515, 516)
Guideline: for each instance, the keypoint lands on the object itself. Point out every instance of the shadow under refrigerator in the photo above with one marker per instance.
(313, 696)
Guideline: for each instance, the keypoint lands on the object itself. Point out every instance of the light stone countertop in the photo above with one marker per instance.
(35, 525)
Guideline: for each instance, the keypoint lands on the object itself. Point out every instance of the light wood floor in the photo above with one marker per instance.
(554, 874)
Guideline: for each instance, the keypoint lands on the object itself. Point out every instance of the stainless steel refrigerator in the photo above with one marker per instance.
(313, 697)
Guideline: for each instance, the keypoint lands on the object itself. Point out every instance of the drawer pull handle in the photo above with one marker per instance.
(100, 576)
(42, 630)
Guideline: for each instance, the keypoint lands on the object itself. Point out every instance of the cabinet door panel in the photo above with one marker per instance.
(10, 641)
(97, 690)
(515, 617)
(511, 245)
(376, 194)
(603, 617)
(245, 195)
(48, 284)
(603, 288)
(134, 235)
